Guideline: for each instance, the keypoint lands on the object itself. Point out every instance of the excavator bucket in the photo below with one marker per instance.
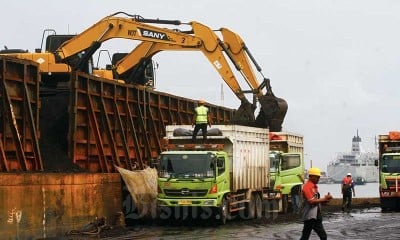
(244, 115)
(272, 112)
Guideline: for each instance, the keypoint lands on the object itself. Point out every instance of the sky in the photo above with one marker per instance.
(335, 62)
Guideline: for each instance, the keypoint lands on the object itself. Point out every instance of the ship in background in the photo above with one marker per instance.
(357, 162)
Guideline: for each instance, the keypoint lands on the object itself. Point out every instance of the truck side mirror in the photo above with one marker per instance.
(275, 162)
(153, 162)
(212, 166)
(220, 162)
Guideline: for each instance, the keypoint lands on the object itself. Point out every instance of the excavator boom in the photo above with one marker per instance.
(212, 48)
(273, 109)
(112, 27)
(119, 27)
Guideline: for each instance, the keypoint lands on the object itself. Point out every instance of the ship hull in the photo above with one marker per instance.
(338, 172)
(360, 164)
(60, 138)
(42, 205)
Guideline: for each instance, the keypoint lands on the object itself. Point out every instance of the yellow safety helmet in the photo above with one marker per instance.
(314, 171)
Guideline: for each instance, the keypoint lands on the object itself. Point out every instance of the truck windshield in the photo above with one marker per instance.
(391, 164)
(290, 161)
(274, 161)
(186, 165)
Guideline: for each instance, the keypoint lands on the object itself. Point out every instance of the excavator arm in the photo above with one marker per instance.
(237, 52)
(273, 109)
(212, 48)
(110, 27)
(136, 28)
(79, 50)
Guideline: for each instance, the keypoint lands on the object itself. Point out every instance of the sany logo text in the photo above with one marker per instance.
(153, 34)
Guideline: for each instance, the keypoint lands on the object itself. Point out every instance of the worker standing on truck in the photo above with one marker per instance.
(200, 120)
(312, 206)
(347, 191)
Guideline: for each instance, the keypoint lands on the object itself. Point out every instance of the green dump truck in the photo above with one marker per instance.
(223, 177)
(389, 171)
(287, 168)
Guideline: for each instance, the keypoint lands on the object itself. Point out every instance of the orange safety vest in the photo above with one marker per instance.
(346, 180)
(347, 184)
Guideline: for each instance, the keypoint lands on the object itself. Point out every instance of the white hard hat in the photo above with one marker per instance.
(348, 174)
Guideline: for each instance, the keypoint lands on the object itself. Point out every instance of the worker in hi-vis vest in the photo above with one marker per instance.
(200, 120)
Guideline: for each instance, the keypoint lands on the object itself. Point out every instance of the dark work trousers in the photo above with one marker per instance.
(197, 127)
(313, 224)
(346, 200)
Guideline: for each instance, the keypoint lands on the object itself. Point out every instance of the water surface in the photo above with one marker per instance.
(362, 191)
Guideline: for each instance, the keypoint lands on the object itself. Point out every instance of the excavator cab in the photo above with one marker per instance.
(142, 73)
(55, 41)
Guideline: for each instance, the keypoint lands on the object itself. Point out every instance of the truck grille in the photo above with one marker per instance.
(393, 183)
(185, 192)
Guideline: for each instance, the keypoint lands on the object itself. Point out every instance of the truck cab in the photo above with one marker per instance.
(192, 178)
(287, 168)
(389, 171)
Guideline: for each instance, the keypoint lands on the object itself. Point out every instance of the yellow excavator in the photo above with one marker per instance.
(273, 109)
(65, 53)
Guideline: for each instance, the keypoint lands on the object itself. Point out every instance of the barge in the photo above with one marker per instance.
(59, 144)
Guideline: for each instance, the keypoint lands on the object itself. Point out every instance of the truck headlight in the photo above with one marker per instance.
(209, 202)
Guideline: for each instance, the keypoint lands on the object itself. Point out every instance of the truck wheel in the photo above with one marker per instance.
(129, 208)
(259, 206)
(285, 203)
(388, 204)
(250, 208)
(165, 214)
(223, 212)
(297, 199)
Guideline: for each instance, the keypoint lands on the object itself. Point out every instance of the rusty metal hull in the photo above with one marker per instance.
(35, 205)
(61, 137)
(118, 124)
(78, 122)
(19, 116)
